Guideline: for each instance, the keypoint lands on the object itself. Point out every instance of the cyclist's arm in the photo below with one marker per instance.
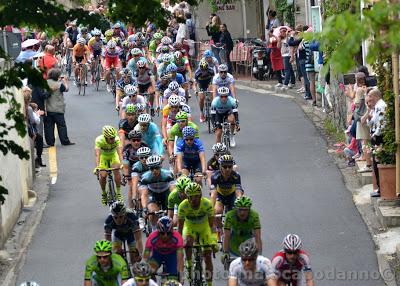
(87, 283)
(214, 91)
(178, 164)
(232, 281)
(164, 129)
(227, 238)
(202, 156)
(181, 222)
(233, 90)
(159, 144)
(179, 254)
(97, 152)
(257, 236)
(138, 238)
(309, 278)
(119, 150)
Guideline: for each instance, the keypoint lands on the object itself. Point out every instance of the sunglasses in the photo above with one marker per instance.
(118, 216)
(102, 256)
(136, 140)
(143, 158)
(144, 125)
(248, 259)
(291, 252)
(223, 96)
(223, 72)
(227, 166)
(164, 233)
(141, 68)
(189, 139)
(181, 121)
(154, 168)
(142, 279)
(175, 107)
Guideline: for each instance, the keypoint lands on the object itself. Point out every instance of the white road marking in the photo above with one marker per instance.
(264, 91)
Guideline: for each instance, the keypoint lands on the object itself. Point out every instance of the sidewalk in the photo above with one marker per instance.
(377, 215)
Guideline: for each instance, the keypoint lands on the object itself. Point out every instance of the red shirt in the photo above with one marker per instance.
(46, 63)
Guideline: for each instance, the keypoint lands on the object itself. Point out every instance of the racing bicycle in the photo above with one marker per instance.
(110, 185)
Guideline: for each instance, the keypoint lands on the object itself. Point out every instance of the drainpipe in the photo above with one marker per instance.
(244, 19)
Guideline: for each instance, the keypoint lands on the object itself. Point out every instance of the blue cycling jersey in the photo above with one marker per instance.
(217, 106)
(138, 169)
(190, 152)
(121, 83)
(152, 138)
(179, 79)
(158, 184)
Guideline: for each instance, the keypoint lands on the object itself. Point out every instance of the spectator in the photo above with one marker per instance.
(276, 58)
(227, 41)
(48, 61)
(191, 26)
(213, 30)
(362, 129)
(290, 79)
(309, 67)
(350, 151)
(182, 33)
(375, 120)
(29, 50)
(55, 108)
(273, 21)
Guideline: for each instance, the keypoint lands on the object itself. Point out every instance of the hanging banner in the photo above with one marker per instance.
(316, 23)
(225, 7)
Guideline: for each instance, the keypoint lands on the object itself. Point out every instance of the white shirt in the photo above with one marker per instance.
(376, 123)
(257, 278)
(182, 33)
(132, 282)
(139, 99)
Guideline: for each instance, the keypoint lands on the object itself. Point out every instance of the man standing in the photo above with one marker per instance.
(48, 61)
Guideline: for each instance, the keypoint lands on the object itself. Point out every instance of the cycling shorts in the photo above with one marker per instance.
(96, 53)
(228, 201)
(220, 117)
(107, 160)
(170, 261)
(79, 59)
(144, 87)
(161, 199)
(201, 232)
(119, 238)
(204, 84)
(111, 62)
(194, 165)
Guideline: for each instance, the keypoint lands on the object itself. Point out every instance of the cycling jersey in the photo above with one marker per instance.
(95, 45)
(179, 79)
(144, 78)
(176, 131)
(170, 116)
(72, 34)
(153, 48)
(132, 282)
(121, 83)
(162, 69)
(158, 184)
(174, 200)
(262, 272)
(133, 100)
(213, 164)
(161, 87)
(129, 226)
(80, 51)
(138, 169)
(220, 82)
(107, 148)
(240, 230)
(118, 268)
(190, 153)
(152, 138)
(125, 127)
(111, 54)
(213, 64)
(168, 92)
(182, 65)
(291, 272)
(87, 37)
(204, 77)
(129, 156)
(155, 244)
(132, 64)
(217, 106)
(228, 186)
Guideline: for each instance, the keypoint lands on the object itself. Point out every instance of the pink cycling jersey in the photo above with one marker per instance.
(155, 243)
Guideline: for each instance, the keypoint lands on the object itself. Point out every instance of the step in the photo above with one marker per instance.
(388, 212)
(365, 178)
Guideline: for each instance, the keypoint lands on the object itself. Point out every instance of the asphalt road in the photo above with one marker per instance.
(284, 166)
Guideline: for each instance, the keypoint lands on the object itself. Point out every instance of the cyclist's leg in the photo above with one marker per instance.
(231, 120)
(115, 163)
(219, 209)
(107, 68)
(153, 207)
(155, 261)
(188, 235)
(198, 172)
(105, 161)
(134, 255)
(76, 67)
(117, 242)
(206, 237)
(218, 131)
(117, 66)
(144, 195)
(133, 190)
(171, 264)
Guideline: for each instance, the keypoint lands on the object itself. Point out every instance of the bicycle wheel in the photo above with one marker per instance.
(111, 196)
(83, 80)
(98, 72)
(79, 81)
(208, 115)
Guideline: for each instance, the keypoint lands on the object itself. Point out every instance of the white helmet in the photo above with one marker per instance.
(153, 161)
(166, 58)
(136, 51)
(29, 283)
(291, 242)
(130, 89)
(166, 40)
(182, 99)
(173, 85)
(144, 118)
(223, 90)
(82, 41)
(96, 32)
(143, 151)
(174, 100)
(111, 44)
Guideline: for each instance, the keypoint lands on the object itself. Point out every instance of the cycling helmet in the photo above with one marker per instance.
(173, 86)
(243, 202)
(219, 148)
(108, 33)
(109, 131)
(208, 54)
(141, 64)
(126, 72)
(164, 224)
(166, 40)
(130, 89)
(139, 35)
(140, 107)
(203, 65)
(171, 282)
(135, 134)
(166, 58)
(164, 76)
(143, 151)
(136, 51)
(222, 68)
(181, 115)
(172, 68)
(125, 44)
(182, 99)
(188, 131)
(81, 41)
(173, 100)
(96, 32)
(117, 26)
(193, 189)
(157, 36)
(291, 242)
(111, 44)
(181, 183)
(117, 208)
(153, 161)
(165, 49)
(84, 30)
(32, 283)
(226, 160)
(144, 118)
(102, 246)
(130, 108)
(248, 248)
(223, 90)
(178, 55)
(141, 269)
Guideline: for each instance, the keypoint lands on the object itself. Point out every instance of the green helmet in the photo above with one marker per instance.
(181, 115)
(102, 246)
(193, 189)
(130, 108)
(157, 36)
(181, 183)
(109, 131)
(243, 202)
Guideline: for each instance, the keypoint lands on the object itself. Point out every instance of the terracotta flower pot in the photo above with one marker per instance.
(387, 181)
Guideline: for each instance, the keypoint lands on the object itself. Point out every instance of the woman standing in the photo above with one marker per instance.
(213, 30)
(226, 39)
(276, 57)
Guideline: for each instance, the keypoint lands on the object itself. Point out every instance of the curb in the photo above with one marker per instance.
(366, 210)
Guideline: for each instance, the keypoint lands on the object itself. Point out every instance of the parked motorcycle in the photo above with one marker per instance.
(261, 63)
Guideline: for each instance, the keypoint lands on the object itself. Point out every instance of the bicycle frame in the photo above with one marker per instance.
(207, 109)
(226, 134)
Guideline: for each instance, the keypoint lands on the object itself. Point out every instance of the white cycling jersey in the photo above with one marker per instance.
(132, 282)
(257, 278)
(220, 82)
(138, 99)
(168, 92)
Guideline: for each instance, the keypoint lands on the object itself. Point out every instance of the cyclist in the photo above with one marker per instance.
(137, 55)
(151, 134)
(118, 34)
(128, 124)
(241, 223)
(126, 79)
(176, 131)
(172, 70)
(108, 36)
(138, 169)
(226, 186)
(218, 149)
(250, 268)
(224, 108)
(174, 88)
(162, 86)
(80, 55)
(183, 65)
(165, 245)
(146, 83)
(153, 45)
(84, 34)
(95, 45)
(291, 262)
(155, 186)
(132, 97)
(191, 157)
(122, 225)
(176, 197)
(165, 60)
(223, 78)
(203, 75)
(111, 56)
(71, 33)
(108, 149)
(104, 267)
(195, 223)
(212, 61)
(142, 275)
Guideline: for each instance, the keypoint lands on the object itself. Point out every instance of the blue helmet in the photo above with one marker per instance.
(188, 131)
(208, 54)
(164, 224)
(172, 68)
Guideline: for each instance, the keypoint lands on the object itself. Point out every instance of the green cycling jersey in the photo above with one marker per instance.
(174, 199)
(107, 148)
(176, 131)
(110, 277)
